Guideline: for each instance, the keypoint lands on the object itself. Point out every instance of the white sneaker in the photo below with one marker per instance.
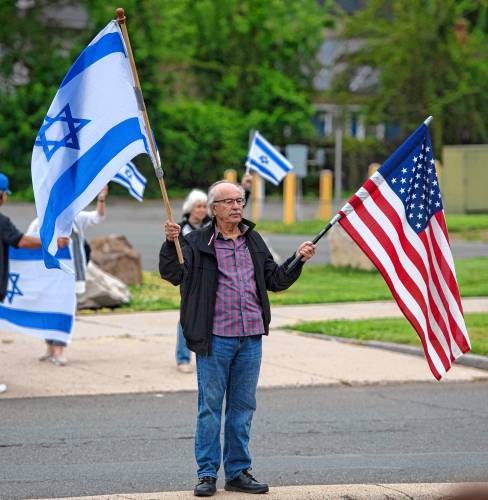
(58, 360)
(185, 368)
(46, 357)
(3, 388)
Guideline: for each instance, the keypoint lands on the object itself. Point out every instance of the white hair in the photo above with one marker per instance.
(195, 196)
(212, 189)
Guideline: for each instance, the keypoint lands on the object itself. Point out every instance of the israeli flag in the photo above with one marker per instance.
(266, 160)
(94, 126)
(132, 179)
(39, 301)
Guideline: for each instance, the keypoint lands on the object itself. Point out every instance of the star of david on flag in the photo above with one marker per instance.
(397, 219)
(63, 136)
(13, 288)
(266, 160)
(93, 126)
(40, 301)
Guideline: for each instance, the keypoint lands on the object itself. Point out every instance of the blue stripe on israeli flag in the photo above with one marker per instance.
(37, 320)
(92, 127)
(267, 174)
(266, 160)
(132, 180)
(35, 253)
(106, 45)
(39, 301)
(78, 177)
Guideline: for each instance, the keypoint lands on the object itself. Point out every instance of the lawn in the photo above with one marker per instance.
(469, 227)
(317, 284)
(397, 330)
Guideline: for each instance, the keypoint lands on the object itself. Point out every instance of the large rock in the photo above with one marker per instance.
(102, 290)
(116, 256)
(344, 252)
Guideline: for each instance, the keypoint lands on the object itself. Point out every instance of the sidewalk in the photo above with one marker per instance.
(319, 492)
(133, 353)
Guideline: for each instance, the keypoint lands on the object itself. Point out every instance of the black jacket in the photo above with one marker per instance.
(186, 227)
(198, 278)
(9, 236)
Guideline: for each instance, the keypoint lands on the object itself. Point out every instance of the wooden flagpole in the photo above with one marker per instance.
(142, 105)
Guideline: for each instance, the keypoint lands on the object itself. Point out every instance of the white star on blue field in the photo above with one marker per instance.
(415, 182)
(70, 140)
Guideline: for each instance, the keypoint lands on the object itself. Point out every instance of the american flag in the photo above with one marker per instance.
(397, 219)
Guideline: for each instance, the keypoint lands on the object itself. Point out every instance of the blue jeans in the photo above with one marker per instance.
(183, 354)
(231, 370)
(59, 343)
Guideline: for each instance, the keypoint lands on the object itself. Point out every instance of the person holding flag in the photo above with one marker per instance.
(80, 250)
(195, 216)
(10, 236)
(224, 313)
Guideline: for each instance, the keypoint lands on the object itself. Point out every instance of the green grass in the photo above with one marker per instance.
(469, 227)
(396, 330)
(154, 294)
(308, 227)
(317, 284)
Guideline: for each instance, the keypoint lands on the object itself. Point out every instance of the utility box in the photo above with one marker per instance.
(464, 179)
(297, 155)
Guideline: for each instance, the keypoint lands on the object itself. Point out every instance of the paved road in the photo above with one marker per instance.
(70, 446)
(142, 224)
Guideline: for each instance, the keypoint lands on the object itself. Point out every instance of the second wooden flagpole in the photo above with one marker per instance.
(157, 166)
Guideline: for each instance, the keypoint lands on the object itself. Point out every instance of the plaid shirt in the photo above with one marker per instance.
(237, 308)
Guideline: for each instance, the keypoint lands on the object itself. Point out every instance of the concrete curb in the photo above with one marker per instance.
(471, 360)
(415, 491)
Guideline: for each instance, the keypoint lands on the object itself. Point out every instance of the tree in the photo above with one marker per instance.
(210, 71)
(260, 56)
(213, 64)
(33, 60)
(426, 65)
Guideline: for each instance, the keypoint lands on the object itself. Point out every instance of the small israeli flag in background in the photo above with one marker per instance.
(266, 160)
(132, 179)
(93, 126)
(39, 301)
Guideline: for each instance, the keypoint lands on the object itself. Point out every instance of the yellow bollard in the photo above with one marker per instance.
(230, 175)
(438, 171)
(325, 194)
(256, 197)
(373, 167)
(289, 198)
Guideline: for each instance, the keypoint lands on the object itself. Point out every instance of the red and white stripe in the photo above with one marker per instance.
(418, 268)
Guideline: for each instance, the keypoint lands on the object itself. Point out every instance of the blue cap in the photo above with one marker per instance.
(4, 184)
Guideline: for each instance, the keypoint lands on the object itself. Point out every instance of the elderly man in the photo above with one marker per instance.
(224, 313)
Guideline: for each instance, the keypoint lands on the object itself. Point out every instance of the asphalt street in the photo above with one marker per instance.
(142, 224)
(67, 446)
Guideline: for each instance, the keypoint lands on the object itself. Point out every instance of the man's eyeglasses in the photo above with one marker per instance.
(228, 202)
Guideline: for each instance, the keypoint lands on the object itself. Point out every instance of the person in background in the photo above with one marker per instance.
(195, 216)
(10, 236)
(85, 219)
